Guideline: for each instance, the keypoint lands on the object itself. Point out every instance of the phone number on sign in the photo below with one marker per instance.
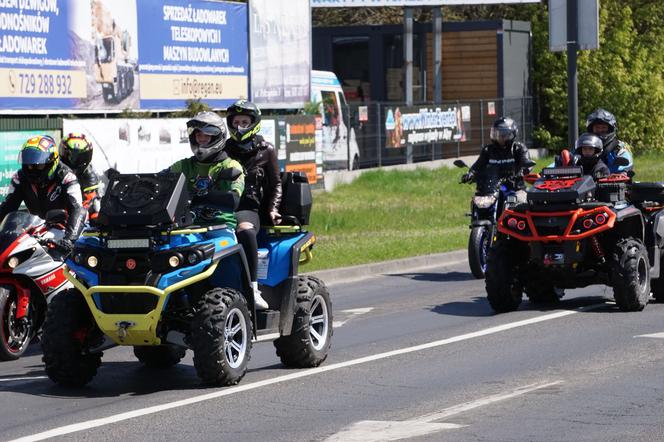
(44, 84)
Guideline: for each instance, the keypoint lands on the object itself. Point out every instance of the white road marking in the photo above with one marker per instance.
(353, 312)
(86, 425)
(25, 378)
(336, 324)
(653, 335)
(377, 431)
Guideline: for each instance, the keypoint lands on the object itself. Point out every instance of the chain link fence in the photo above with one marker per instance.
(393, 133)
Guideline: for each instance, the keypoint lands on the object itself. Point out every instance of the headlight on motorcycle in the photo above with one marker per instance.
(484, 202)
(13, 262)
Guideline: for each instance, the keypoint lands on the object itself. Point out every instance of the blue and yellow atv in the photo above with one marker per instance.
(149, 278)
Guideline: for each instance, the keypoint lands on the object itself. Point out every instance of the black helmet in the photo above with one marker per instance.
(210, 124)
(603, 116)
(76, 151)
(504, 131)
(39, 159)
(245, 134)
(589, 140)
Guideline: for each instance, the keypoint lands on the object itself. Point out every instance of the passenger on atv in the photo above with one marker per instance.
(587, 154)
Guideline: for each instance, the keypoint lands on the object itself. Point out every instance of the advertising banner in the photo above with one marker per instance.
(422, 125)
(280, 35)
(364, 3)
(105, 55)
(134, 145)
(301, 145)
(10, 146)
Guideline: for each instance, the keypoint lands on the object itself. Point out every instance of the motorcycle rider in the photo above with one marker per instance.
(509, 156)
(214, 180)
(262, 194)
(603, 124)
(76, 152)
(45, 183)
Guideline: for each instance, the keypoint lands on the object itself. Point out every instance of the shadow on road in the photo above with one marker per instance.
(435, 276)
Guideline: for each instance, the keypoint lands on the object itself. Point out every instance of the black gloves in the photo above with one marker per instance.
(468, 177)
(62, 248)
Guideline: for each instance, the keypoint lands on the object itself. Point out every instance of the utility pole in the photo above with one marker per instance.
(572, 74)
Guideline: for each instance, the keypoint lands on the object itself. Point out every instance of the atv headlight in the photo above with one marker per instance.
(92, 261)
(484, 202)
(174, 261)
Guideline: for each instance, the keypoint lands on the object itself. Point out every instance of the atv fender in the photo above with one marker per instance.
(629, 223)
(658, 229)
(233, 272)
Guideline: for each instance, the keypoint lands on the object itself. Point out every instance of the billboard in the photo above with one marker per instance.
(363, 3)
(134, 145)
(105, 55)
(421, 125)
(280, 35)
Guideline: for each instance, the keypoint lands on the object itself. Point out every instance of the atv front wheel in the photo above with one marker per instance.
(478, 245)
(15, 334)
(162, 356)
(631, 275)
(503, 289)
(67, 326)
(221, 336)
(309, 341)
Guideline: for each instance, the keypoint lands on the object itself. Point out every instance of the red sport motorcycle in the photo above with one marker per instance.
(31, 273)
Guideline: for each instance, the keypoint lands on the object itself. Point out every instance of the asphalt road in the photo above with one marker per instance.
(417, 356)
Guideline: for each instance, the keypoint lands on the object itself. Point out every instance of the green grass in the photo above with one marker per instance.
(385, 215)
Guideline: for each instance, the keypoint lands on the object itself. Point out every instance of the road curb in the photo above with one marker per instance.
(355, 273)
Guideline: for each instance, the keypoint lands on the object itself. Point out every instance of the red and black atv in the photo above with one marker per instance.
(572, 232)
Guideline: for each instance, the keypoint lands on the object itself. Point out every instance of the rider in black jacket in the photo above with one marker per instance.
(76, 152)
(509, 156)
(262, 185)
(44, 183)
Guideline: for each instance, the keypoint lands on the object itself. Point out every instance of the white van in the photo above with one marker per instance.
(339, 145)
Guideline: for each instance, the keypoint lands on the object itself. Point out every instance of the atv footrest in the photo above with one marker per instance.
(267, 321)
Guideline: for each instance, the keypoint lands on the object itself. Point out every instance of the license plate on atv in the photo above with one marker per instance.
(553, 258)
(129, 243)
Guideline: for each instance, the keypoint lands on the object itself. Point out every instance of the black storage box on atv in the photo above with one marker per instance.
(565, 185)
(645, 191)
(611, 192)
(296, 197)
(145, 200)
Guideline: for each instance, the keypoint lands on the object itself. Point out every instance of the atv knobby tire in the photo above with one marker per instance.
(478, 245)
(631, 275)
(67, 319)
(310, 338)
(503, 289)
(162, 356)
(221, 336)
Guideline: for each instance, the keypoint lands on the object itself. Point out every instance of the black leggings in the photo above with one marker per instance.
(248, 238)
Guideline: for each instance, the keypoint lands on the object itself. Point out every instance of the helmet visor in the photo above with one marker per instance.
(208, 129)
(501, 135)
(34, 156)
